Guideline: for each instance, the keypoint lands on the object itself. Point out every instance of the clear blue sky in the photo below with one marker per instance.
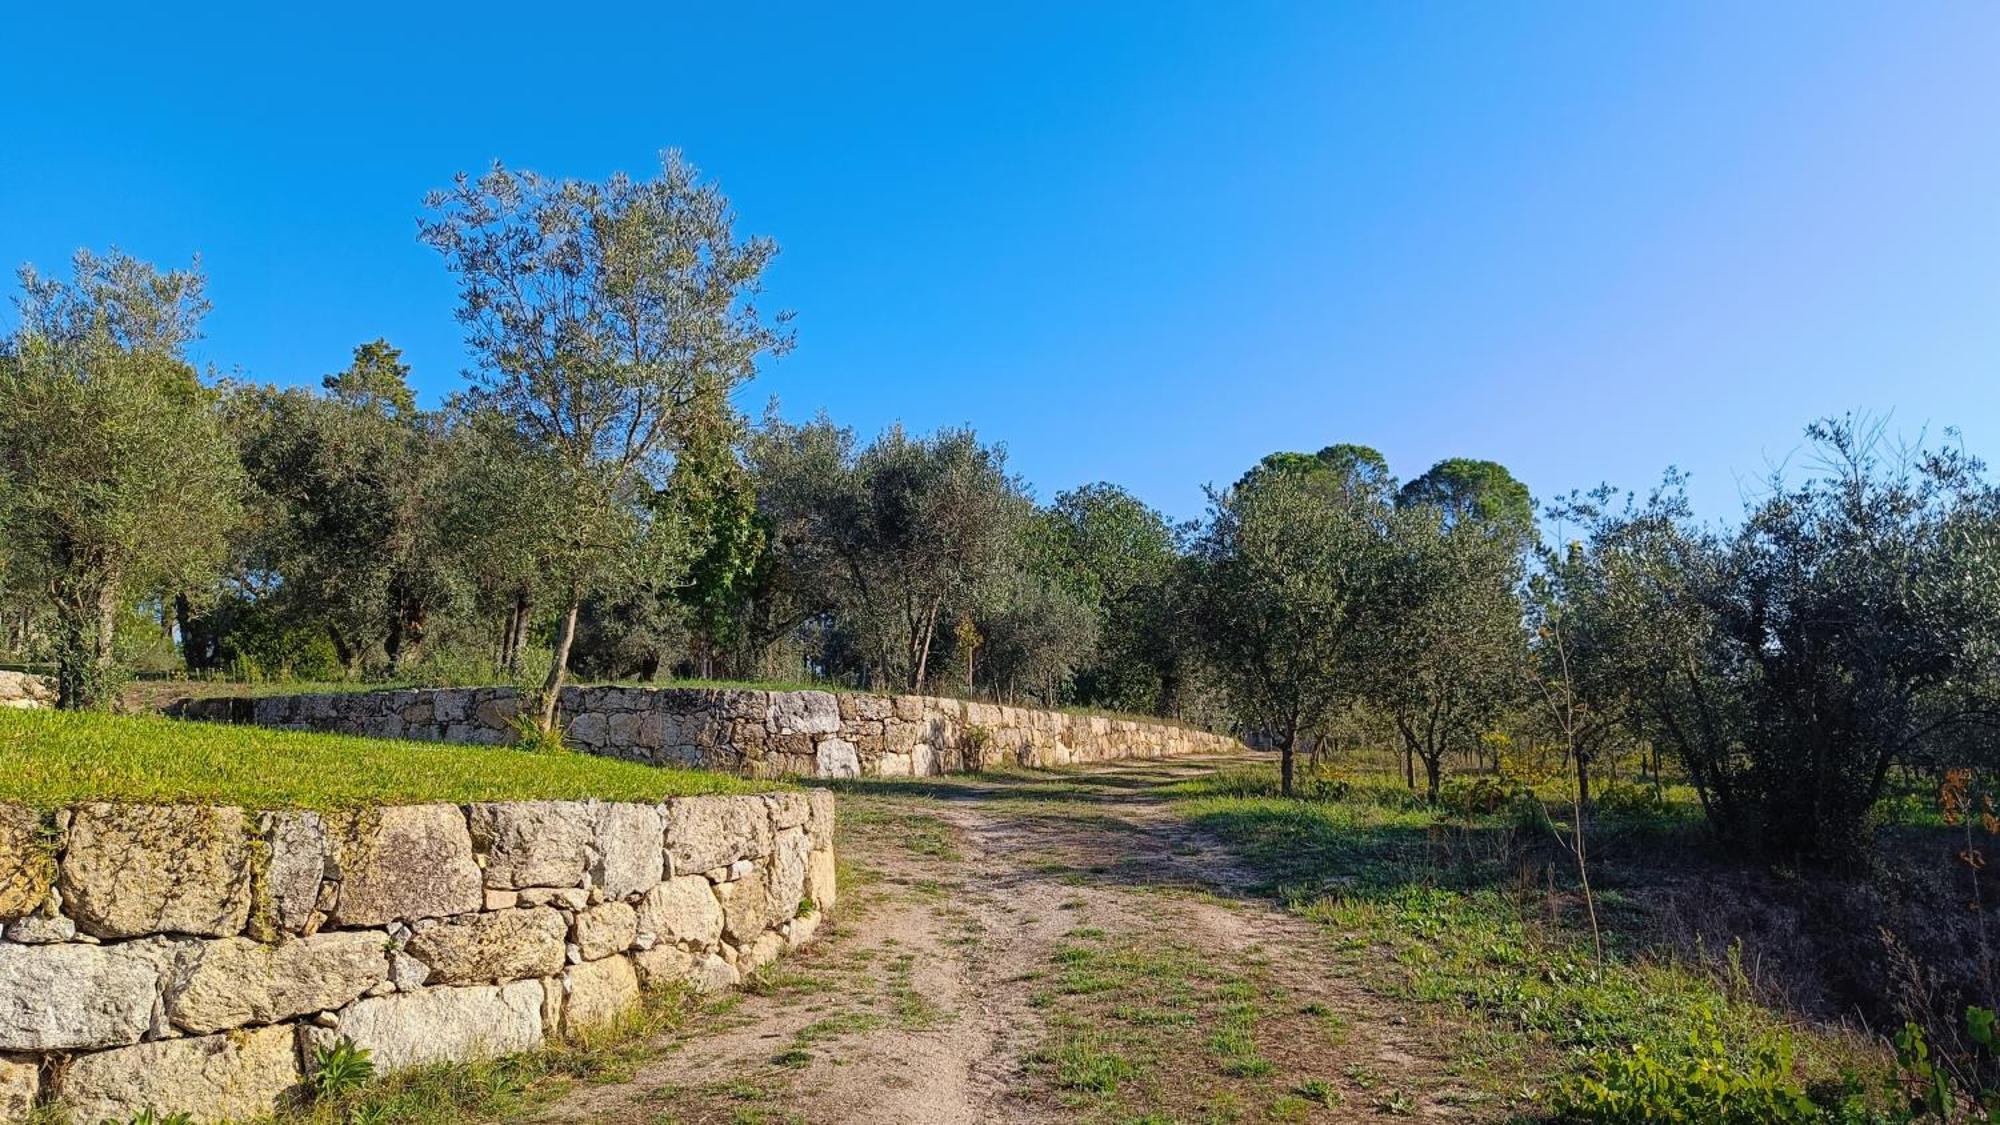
(1145, 243)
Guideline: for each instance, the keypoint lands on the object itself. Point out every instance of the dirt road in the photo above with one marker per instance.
(1049, 946)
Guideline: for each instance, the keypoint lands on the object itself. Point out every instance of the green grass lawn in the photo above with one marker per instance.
(53, 758)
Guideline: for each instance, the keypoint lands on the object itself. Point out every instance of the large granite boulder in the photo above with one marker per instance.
(820, 881)
(235, 982)
(22, 690)
(234, 1077)
(627, 858)
(501, 946)
(132, 870)
(606, 928)
(533, 843)
(27, 861)
(71, 997)
(682, 911)
(746, 907)
(436, 1025)
(405, 862)
(598, 992)
(298, 859)
(790, 859)
(20, 1079)
(704, 833)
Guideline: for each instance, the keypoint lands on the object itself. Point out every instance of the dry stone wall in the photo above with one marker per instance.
(753, 733)
(195, 959)
(24, 690)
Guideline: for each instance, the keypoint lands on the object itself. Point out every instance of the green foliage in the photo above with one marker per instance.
(339, 1069)
(534, 738)
(1120, 558)
(1848, 625)
(884, 546)
(604, 317)
(116, 480)
(1291, 563)
(1424, 904)
(1464, 491)
(1705, 1082)
(353, 496)
(1930, 1086)
(1444, 639)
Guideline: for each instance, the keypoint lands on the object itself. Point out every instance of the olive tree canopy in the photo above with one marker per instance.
(117, 479)
(602, 316)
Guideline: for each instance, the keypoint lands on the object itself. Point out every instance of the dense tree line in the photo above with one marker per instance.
(591, 502)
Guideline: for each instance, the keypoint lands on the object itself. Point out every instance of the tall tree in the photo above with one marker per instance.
(116, 477)
(1445, 651)
(1292, 558)
(1118, 556)
(1462, 489)
(1847, 626)
(601, 315)
(353, 495)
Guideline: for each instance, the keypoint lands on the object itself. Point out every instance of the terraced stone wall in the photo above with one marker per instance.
(195, 959)
(753, 733)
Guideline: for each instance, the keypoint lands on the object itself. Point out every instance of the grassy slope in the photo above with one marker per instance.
(50, 758)
(1480, 913)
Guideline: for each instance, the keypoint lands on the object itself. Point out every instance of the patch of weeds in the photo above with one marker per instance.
(1084, 1065)
(1319, 1092)
(1397, 1103)
(833, 1027)
(497, 1089)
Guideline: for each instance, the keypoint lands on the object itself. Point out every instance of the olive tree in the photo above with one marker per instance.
(353, 488)
(1114, 554)
(1446, 644)
(1290, 559)
(1847, 625)
(117, 479)
(601, 315)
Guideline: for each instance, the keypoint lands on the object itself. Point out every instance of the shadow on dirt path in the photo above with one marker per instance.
(1044, 946)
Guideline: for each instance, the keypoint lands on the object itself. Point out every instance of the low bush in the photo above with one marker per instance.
(1705, 1084)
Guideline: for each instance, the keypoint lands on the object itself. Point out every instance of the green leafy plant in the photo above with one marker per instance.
(1706, 1083)
(1927, 1087)
(530, 735)
(340, 1069)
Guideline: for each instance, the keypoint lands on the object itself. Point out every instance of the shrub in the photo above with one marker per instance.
(529, 736)
(1708, 1083)
(1481, 796)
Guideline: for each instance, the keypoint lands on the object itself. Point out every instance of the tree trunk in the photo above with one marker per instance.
(559, 667)
(1433, 770)
(343, 652)
(1285, 743)
(517, 631)
(924, 649)
(193, 658)
(86, 622)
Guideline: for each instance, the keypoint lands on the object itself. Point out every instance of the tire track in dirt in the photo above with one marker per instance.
(923, 1002)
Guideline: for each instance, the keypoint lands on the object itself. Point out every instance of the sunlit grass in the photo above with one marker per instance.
(1432, 906)
(52, 758)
